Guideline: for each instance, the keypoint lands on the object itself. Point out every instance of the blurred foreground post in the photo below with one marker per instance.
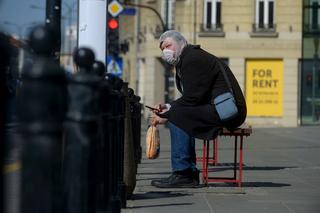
(4, 60)
(41, 109)
(81, 137)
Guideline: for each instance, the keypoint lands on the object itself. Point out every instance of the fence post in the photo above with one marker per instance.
(81, 137)
(41, 109)
(136, 124)
(4, 56)
(98, 68)
(129, 174)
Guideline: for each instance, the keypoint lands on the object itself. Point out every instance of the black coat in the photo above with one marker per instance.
(200, 80)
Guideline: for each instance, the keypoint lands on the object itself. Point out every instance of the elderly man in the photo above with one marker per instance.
(200, 79)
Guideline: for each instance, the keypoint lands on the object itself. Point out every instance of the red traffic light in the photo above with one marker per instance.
(309, 77)
(113, 24)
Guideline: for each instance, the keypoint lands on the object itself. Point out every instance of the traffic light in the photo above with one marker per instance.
(113, 36)
(309, 80)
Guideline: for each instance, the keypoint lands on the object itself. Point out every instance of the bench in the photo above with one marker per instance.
(243, 131)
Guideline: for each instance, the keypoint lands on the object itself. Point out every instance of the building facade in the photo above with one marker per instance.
(265, 43)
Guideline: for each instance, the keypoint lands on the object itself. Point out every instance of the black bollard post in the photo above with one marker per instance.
(41, 109)
(138, 107)
(135, 107)
(98, 68)
(4, 56)
(132, 113)
(122, 187)
(81, 137)
(129, 160)
(113, 203)
(116, 188)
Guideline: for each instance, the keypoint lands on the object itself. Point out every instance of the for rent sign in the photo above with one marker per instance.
(264, 87)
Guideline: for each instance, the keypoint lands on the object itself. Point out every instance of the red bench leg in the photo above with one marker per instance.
(215, 151)
(240, 161)
(205, 161)
(237, 178)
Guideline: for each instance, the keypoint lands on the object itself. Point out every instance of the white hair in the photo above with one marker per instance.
(174, 35)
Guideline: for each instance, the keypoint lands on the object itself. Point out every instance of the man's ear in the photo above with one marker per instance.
(160, 44)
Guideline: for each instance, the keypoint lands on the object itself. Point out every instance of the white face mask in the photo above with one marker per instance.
(168, 56)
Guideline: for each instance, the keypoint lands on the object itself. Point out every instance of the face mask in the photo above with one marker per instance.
(168, 56)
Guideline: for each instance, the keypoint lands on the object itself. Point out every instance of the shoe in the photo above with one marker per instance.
(163, 180)
(179, 179)
(196, 175)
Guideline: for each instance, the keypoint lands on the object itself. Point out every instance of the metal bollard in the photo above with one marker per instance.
(104, 89)
(113, 146)
(129, 159)
(41, 109)
(81, 130)
(4, 56)
(122, 187)
(136, 126)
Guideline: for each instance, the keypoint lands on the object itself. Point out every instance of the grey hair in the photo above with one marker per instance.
(175, 35)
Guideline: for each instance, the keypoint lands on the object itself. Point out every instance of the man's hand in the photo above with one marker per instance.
(161, 107)
(155, 120)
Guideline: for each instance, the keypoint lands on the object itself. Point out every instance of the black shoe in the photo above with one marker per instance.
(163, 180)
(178, 179)
(196, 174)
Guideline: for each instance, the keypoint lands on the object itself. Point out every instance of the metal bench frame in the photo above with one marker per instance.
(243, 131)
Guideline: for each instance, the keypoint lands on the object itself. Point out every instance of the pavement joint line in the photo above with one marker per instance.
(287, 207)
(11, 167)
(208, 204)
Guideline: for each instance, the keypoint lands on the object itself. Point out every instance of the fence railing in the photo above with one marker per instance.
(76, 131)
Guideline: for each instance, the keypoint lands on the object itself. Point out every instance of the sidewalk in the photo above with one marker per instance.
(281, 174)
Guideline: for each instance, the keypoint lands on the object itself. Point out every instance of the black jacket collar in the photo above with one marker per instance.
(185, 51)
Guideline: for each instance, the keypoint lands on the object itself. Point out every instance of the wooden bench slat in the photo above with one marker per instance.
(244, 129)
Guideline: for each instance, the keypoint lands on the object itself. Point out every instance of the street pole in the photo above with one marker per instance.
(53, 21)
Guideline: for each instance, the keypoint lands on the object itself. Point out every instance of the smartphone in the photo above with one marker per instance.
(149, 107)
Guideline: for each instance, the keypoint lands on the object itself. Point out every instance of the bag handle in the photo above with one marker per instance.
(225, 76)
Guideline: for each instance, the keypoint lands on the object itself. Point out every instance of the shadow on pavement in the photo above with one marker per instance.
(250, 184)
(264, 184)
(160, 205)
(228, 166)
(158, 194)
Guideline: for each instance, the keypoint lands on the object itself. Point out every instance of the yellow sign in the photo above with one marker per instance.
(115, 8)
(264, 87)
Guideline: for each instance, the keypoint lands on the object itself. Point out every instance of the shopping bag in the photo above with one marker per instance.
(152, 142)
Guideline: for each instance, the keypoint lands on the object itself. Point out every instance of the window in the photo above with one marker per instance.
(168, 12)
(312, 17)
(212, 15)
(264, 20)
